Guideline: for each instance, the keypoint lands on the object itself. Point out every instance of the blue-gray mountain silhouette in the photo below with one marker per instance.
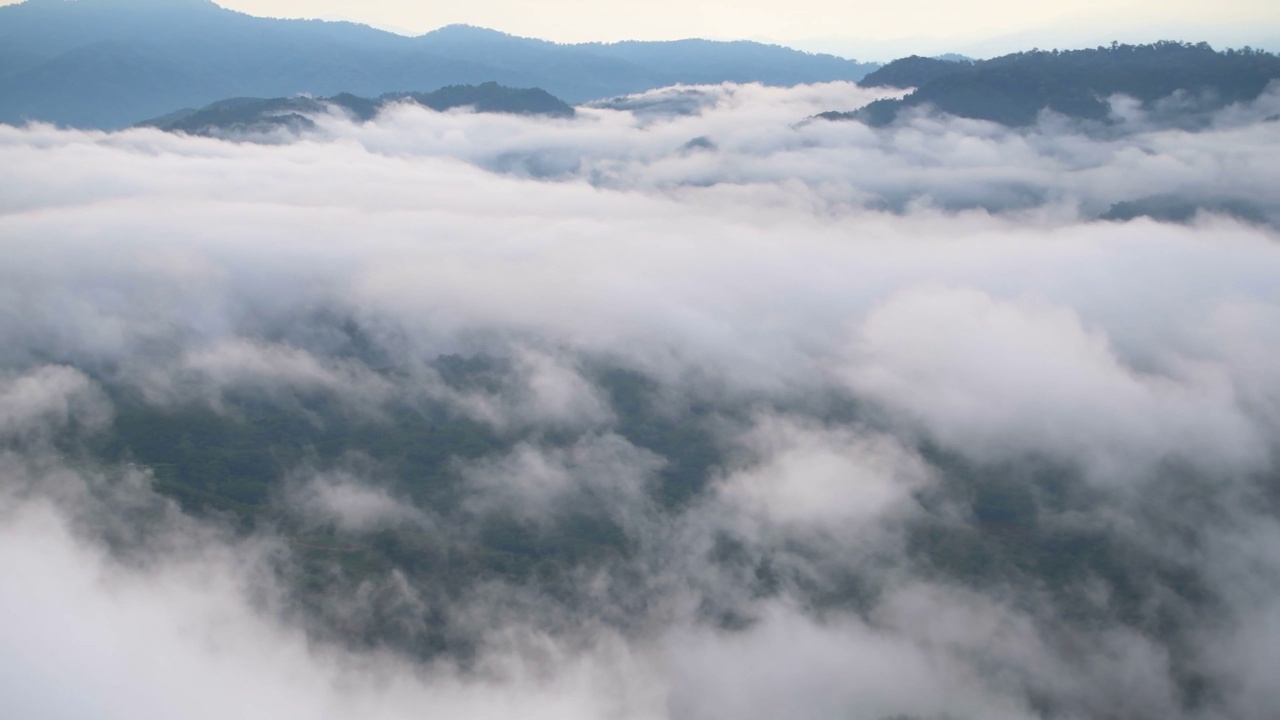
(1014, 89)
(111, 63)
(239, 115)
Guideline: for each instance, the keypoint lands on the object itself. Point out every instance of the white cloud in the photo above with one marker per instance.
(1001, 378)
(185, 640)
(597, 473)
(48, 398)
(350, 502)
(816, 478)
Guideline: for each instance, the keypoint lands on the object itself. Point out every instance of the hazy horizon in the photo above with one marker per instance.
(868, 31)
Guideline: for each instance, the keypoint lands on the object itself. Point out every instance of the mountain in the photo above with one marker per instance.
(490, 97)
(112, 63)
(701, 62)
(240, 115)
(913, 71)
(1014, 89)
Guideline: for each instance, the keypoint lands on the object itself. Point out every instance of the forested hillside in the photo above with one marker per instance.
(1179, 83)
(241, 116)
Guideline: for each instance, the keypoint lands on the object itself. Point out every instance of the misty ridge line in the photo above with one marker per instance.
(683, 407)
(694, 135)
(112, 64)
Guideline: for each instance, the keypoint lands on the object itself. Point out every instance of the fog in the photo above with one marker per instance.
(801, 418)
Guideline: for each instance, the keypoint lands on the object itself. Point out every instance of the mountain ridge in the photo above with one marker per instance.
(55, 68)
(1176, 83)
(242, 115)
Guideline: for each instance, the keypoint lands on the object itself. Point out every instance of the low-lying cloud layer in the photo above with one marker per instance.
(688, 407)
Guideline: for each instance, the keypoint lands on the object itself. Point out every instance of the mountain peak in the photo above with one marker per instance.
(462, 31)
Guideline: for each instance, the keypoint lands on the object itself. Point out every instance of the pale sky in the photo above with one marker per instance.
(932, 25)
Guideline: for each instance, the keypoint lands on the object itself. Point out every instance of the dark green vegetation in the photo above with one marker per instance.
(1179, 83)
(1028, 528)
(238, 115)
(1179, 209)
(491, 97)
(240, 465)
(112, 63)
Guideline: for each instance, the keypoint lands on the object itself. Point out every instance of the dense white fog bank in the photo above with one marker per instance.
(686, 139)
(696, 408)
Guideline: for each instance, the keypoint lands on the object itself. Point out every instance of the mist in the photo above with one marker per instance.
(691, 406)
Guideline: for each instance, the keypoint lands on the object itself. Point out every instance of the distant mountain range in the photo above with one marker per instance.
(112, 63)
(1178, 84)
(240, 116)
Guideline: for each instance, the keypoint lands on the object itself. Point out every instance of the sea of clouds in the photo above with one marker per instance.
(950, 280)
